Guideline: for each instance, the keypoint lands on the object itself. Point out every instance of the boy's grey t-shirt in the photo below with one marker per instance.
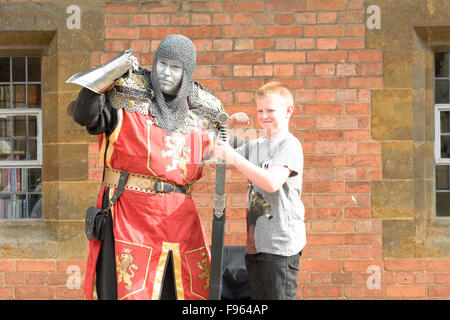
(275, 221)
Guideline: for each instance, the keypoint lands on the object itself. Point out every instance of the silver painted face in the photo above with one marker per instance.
(169, 74)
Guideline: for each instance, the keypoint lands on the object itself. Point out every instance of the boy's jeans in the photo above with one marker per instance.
(272, 277)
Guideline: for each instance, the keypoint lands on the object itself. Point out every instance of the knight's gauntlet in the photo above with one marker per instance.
(102, 77)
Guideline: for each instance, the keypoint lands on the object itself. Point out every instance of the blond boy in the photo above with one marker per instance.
(273, 165)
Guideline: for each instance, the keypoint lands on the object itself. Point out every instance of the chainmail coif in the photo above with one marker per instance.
(171, 114)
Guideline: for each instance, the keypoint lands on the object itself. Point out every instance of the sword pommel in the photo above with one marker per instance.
(223, 118)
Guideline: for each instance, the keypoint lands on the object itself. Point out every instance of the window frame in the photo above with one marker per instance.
(26, 163)
(25, 111)
(438, 108)
(438, 160)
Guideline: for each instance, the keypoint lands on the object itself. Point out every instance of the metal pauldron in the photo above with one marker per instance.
(102, 77)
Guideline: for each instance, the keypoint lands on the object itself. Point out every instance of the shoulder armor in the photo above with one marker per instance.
(133, 93)
(204, 105)
(208, 99)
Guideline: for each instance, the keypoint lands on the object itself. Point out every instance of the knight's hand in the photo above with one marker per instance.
(134, 63)
(120, 66)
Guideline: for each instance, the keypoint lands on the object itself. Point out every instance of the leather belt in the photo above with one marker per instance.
(145, 183)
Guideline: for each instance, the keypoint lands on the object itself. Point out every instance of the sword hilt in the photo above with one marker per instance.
(222, 119)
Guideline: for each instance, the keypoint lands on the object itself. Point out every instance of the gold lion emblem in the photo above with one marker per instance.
(178, 153)
(125, 268)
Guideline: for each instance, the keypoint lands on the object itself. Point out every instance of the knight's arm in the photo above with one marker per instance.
(94, 111)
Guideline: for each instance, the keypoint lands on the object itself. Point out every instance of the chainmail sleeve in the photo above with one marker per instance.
(94, 111)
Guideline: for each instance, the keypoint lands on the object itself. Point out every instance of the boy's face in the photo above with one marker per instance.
(273, 113)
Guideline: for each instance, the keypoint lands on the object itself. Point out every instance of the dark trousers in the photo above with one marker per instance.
(272, 277)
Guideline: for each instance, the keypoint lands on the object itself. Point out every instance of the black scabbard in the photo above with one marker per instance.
(218, 232)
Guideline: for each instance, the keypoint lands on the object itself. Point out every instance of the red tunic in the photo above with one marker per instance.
(148, 226)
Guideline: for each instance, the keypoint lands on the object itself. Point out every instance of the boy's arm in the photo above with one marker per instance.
(269, 180)
(236, 120)
(236, 142)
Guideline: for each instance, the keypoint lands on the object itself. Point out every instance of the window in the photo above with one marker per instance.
(20, 137)
(442, 133)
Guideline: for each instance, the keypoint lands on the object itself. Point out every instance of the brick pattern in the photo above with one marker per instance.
(318, 278)
(41, 279)
(317, 48)
(320, 55)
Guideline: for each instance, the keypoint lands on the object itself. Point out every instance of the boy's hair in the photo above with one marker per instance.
(275, 88)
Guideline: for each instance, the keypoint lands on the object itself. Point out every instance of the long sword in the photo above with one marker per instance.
(218, 223)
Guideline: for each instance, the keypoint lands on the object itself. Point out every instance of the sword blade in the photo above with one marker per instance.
(218, 225)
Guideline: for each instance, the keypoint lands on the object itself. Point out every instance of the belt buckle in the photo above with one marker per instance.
(161, 190)
(173, 185)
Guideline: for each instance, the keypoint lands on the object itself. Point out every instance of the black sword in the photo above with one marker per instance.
(218, 223)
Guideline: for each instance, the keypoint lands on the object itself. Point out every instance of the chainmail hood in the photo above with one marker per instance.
(172, 113)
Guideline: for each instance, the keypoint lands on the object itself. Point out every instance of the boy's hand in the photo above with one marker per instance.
(238, 119)
(223, 151)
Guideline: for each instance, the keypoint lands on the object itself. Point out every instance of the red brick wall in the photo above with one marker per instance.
(41, 279)
(317, 48)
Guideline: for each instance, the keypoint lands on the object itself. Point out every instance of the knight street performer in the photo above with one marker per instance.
(153, 124)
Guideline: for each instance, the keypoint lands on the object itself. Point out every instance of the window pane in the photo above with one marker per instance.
(20, 149)
(4, 180)
(32, 129)
(34, 96)
(442, 178)
(34, 180)
(13, 180)
(18, 69)
(19, 96)
(5, 127)
(5, 201)
(17, 179)
(20, 193)
(441, 64)
(35, 206)
(32, 149)
(445, 147)
(18, 206)
(5, 149)
(445, 121)
(441, 91)
(20, 134)
(5, 97)
(443, 204)
(20, 126)
(34, 69)
(4, 69)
